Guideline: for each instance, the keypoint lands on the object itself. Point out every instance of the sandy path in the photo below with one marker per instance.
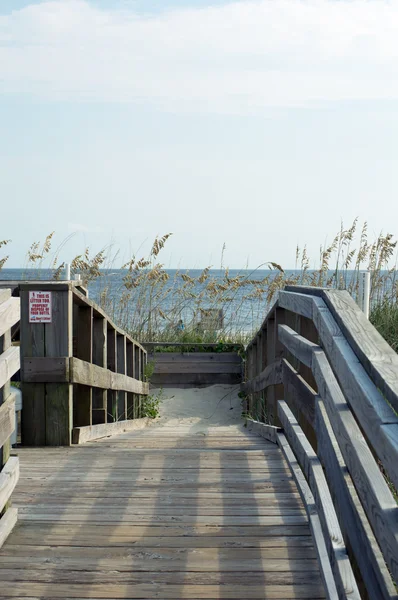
(200, 408)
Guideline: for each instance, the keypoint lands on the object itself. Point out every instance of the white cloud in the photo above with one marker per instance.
(240, 57)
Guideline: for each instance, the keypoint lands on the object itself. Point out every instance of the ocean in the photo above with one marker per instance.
(180, 298)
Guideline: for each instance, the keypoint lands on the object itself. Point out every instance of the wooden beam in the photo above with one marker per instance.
(359, 536)
(313, 517)
(86, 434)
(99, 377)
(300, 304)
(264, 430)
(10, 314)
(9, 476)
(299, 392)
(378, 420)
(46, 369)
(7, 523)
(378, 502)
(271, 375)
(9, 364)
(296, 344)
(312, 468)
(7, 419)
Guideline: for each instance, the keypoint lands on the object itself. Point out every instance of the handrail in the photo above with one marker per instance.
(82, 376)
(335, 370)
(9, 365)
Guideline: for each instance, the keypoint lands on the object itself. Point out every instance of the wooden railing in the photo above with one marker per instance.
(326, 384)
(82, 376)
(9, 365)
(194, 365)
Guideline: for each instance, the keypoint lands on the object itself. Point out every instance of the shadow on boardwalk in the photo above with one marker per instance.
(181, 511)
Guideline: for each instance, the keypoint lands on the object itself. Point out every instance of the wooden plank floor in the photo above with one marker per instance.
(160, 513)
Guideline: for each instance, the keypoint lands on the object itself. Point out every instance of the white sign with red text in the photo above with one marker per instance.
(40, 309)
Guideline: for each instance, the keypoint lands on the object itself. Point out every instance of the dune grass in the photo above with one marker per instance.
(150, 304)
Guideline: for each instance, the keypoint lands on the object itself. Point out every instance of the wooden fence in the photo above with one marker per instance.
(190, 366)
(9, 365)
(326, 384)
(82, 376)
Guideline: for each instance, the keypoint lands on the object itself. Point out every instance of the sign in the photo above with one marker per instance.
(40, 309)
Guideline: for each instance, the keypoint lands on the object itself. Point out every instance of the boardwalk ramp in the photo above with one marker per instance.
(188, 508)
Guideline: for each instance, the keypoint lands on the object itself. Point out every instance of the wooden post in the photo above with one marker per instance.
(254, 397)
(83, 336)
(129, 371)
(5, 343)
(100, 396)
(59, 396)
(47, 416)
(112, 366)
(33, 417)
(137, 372)
(275, 350)
(121, 368)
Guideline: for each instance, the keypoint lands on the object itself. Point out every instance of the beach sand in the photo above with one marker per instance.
(200, 408)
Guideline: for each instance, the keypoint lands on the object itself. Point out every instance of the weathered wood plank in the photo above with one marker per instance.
(46, 369)
(355, 526)
(9, 364)
(87, 374)
(181, 357)
(378, 421)
(86, 434)
(271, 375)
(9, 314)
(7, 419)
(299, 392)
(196, 367)
(312, 468)
(269, 432)
(379, 504)
(296, 344)
(377, 357)
(9, 476)
(7, 523)
(300, 304)
(314, 521)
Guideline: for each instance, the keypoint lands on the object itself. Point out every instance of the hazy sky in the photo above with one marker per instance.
(259, 123)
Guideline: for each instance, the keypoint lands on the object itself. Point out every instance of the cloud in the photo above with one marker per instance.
(241, 57)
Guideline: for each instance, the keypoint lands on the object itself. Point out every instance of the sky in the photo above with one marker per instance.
(258, 124)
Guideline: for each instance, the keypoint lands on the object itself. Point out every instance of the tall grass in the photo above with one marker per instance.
(150, 303)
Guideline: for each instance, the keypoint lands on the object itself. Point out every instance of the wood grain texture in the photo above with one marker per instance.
(271, 375)
(9, 364)
(311, 466)
(269, 432)
(9, 476)
(298, 392)
(46, 369)
(378, 502)
(297, 345)
(378, 420)
(352, 518)
(313, 517)
(7, 419)
(88, 374)
(82, 435)
(7, 524)
(9, 314)
(162, 513)
(300, 304)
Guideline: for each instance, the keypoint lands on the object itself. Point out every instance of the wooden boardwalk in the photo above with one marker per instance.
(160, 513)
